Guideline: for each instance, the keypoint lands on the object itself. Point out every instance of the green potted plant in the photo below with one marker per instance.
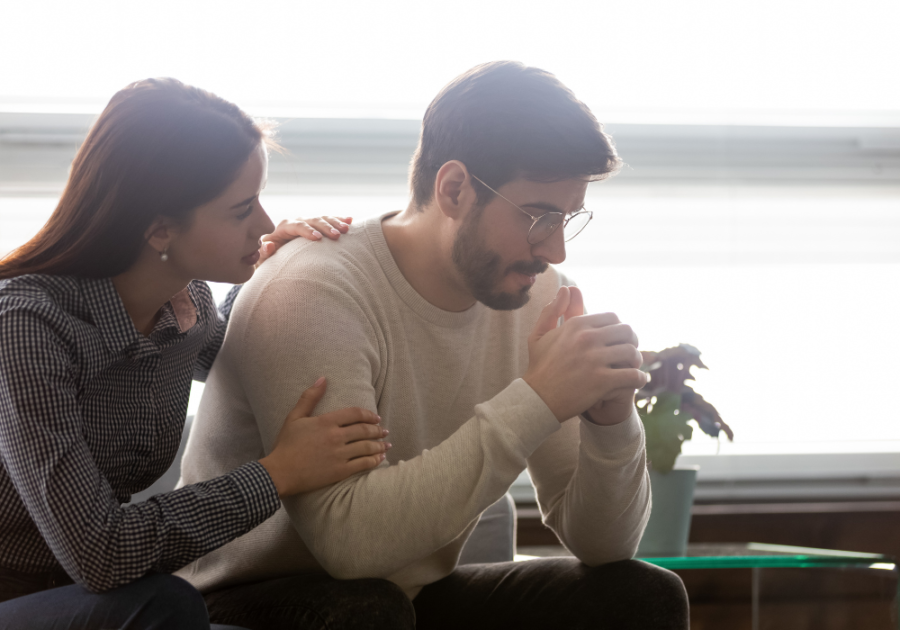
(666, 405)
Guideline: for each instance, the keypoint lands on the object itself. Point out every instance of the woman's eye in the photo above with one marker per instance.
(246, 213)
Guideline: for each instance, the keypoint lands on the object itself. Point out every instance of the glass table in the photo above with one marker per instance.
(760, 558)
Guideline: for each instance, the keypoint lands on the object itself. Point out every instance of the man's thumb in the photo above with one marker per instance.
(310, 398)
(576, 303)
(549, 318)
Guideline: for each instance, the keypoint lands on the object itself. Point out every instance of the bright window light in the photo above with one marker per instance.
(703, 61)
(789, 291)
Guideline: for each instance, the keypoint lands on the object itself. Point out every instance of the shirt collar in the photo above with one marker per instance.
(109, 314)
(115, 325)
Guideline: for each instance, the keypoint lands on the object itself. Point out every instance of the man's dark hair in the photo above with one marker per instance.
(506, 121)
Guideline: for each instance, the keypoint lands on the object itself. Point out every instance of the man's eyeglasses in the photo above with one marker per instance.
(546, 224)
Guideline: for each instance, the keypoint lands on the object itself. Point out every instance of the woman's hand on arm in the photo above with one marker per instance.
(312, 229)
(312, 452)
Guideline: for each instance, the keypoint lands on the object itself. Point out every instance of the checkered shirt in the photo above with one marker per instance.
(91, 411)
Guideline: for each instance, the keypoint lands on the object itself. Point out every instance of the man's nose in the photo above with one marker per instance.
(552, 249)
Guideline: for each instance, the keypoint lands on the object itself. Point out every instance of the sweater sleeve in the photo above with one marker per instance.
(99, 543)
(373, 524)
(593, 488)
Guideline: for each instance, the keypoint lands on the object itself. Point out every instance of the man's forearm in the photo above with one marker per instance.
(375, 524)
(599, 502)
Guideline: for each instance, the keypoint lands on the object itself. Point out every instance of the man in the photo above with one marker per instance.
(444, 318)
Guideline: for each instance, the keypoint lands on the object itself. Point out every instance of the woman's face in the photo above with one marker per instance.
(222, 242)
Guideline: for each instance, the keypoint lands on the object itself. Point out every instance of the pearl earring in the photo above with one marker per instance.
(164, 255)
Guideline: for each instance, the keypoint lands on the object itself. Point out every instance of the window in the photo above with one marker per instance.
(758, 216)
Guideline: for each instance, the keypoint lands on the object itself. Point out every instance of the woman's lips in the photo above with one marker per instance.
(251, 259)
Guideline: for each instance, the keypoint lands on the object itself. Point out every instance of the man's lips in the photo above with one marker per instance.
(528, 278)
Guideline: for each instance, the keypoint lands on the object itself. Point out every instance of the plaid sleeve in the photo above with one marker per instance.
(217, 331)
(99, 543)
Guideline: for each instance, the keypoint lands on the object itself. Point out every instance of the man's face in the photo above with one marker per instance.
(491, 250)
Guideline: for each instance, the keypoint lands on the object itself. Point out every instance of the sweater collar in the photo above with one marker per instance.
(422, 307)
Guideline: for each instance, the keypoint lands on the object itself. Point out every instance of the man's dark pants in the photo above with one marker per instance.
(537, 594)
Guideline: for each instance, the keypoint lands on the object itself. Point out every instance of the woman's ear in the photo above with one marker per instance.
(453, 192)
(160, 234)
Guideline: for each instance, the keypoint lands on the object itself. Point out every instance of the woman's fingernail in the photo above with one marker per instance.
(384, 432)
(382, 457)
(320, 382)
(334, 231)
(316, 234)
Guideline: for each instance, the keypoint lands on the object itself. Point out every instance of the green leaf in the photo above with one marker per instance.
(666, 429)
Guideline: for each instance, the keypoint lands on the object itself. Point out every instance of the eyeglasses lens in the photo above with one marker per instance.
(577, 222)
(549, 222)
(544, 227)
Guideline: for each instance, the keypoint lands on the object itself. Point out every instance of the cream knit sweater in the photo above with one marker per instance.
(448, 387)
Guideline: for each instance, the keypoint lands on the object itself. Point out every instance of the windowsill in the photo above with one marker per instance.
(781, 478)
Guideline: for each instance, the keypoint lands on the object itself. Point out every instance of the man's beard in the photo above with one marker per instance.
(481, 268)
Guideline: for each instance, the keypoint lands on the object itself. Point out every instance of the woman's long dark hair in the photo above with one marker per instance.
(160, 148)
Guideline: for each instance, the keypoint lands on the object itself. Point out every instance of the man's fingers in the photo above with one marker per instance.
(598, 320)
(549, 318)
(629, 378)
(576, 303)
(623, 356)
(615, 334)
(309, 399)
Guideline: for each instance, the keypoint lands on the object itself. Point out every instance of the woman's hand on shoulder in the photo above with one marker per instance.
(312, 229)
(312, 452)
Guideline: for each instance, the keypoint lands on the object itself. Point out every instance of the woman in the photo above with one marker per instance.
(103, 321)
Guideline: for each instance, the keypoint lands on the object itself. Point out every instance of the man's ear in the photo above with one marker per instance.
(160, 234)
(453, 192)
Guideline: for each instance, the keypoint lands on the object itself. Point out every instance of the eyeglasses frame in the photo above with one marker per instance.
(562, 220)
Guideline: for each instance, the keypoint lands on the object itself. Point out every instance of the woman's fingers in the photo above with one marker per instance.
(351, 415)
(287, 231)
(308, 400)
(363, 431)
(311, 452)
(331, 227)
(339, 223)
(311, 229)
(362, 464)
(365, 448)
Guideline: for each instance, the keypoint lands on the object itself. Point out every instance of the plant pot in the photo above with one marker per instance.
(670, 518)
